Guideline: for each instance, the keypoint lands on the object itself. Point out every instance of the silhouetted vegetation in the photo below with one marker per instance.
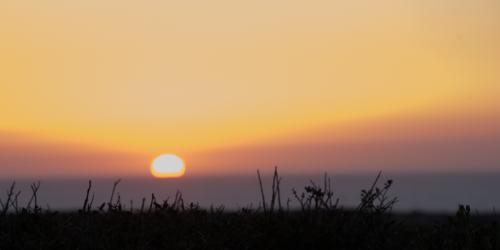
(319, 222)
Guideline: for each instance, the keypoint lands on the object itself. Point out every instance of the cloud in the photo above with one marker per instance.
(25, 156)
(428, 143)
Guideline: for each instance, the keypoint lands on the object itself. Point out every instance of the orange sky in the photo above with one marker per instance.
(101, 87)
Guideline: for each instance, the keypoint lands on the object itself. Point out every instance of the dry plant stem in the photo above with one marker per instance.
(34, 197)
(113, 191)
(89, 207)
(367, 200)
(153, 200)
(10, 194)
(273, 188)
(142, 205)
(14, 203)
(85, 202)
(262, 192)
(279, 193)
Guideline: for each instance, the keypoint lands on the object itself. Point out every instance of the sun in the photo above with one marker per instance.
(168, 166)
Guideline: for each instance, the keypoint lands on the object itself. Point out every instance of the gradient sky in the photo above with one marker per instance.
(102, 87)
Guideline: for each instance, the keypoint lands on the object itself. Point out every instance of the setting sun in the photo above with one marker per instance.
(168, 166)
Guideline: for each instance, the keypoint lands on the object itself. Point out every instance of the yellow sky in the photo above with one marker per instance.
(188, 76)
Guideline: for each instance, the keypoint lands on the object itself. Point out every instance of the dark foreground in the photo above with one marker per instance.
(318, 223)
(243, 230)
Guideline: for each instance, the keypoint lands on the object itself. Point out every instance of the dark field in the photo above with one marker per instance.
(320, 222)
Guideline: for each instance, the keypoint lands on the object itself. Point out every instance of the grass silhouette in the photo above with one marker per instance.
(320, 222)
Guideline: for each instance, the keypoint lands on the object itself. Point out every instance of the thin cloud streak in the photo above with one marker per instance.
(23, 156)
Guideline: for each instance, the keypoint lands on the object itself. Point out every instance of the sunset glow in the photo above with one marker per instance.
(261, 124)
(101, 87)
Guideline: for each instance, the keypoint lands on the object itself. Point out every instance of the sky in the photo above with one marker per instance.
(100, 88)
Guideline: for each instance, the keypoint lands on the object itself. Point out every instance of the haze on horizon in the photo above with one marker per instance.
(99, 88)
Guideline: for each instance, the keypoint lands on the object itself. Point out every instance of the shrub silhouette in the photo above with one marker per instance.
(320, 222)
